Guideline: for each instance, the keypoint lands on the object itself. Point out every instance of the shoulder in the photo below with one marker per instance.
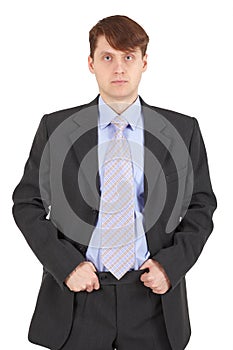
(172, 116)
(182, 122)
(53, 119)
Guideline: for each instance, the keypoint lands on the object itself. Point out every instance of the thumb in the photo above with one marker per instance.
(92, 266)
(145, 265)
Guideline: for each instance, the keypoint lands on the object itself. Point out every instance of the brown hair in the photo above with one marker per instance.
(121, 32)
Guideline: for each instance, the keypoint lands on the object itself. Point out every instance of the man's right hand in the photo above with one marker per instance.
(83, 278)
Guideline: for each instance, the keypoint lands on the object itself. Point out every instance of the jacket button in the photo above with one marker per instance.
(103, 277)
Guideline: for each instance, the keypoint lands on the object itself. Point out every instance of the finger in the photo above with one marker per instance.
(160, 290)
(148, 284)
(96, 284)
(68, 285)
(148, 279)
(146, 264)
(145, 277)
(157, 290)
(91, 265)
(81, 287)
(95, 281)
(90, 285)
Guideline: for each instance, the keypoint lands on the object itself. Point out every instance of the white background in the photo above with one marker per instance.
(44, 49)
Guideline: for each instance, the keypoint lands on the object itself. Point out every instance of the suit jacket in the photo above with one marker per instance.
(57, 200)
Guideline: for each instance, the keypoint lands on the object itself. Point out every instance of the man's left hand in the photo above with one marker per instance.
(156, 278)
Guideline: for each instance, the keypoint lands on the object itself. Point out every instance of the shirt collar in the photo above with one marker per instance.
(107, 114)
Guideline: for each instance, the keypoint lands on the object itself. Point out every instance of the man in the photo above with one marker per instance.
(116, 202)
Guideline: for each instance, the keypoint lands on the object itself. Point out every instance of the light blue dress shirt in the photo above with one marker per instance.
(134, 134)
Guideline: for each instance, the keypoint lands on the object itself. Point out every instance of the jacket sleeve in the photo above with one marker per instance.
(58, 256)
(195, 227)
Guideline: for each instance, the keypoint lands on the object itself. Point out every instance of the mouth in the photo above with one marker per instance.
(119, 82)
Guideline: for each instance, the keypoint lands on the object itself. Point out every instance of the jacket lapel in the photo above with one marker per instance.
(84, 138)
(156, 147)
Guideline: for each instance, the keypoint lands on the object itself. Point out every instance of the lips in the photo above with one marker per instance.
(119, 82)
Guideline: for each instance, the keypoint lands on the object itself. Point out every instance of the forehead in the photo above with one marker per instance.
(104, 47)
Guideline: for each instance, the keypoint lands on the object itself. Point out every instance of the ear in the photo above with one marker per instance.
(91, 64)
(144, 61)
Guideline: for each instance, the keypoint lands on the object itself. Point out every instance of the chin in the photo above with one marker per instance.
(121, 95)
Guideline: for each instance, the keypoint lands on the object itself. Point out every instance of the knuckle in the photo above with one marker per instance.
(95, 280)
(78, 288)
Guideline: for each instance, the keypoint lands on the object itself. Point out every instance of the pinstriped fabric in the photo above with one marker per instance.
(117, 199)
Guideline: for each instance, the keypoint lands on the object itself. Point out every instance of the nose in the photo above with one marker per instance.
(119, 67)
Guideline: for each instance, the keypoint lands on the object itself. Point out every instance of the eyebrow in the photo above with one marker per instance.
(111, 53)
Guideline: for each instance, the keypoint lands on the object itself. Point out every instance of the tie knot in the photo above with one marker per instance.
(120, 124)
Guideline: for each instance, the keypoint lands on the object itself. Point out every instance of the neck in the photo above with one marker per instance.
(119, 106)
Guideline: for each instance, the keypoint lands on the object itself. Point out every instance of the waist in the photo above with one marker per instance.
(130, 277)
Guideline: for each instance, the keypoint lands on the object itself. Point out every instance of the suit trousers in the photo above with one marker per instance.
(122, 314)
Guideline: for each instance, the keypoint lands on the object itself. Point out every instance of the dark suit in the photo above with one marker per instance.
(55, 242)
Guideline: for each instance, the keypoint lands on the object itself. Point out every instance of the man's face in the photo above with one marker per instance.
(117, 73)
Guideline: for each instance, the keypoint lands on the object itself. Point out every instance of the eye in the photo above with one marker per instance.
(107, 58)
(129, 57)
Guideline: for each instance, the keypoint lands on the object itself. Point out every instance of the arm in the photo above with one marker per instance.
(58, 256)
(193, 231)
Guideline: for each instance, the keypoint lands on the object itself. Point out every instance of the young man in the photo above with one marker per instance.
(116, 202)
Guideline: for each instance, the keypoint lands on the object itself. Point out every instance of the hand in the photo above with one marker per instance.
(83, 278)
(156, 278)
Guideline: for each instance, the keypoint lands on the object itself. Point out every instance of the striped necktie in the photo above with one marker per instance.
(117, 199)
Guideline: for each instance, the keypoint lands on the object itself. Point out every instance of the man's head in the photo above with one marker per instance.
(118, 57)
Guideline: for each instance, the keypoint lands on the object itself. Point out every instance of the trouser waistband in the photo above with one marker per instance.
(130, 277)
